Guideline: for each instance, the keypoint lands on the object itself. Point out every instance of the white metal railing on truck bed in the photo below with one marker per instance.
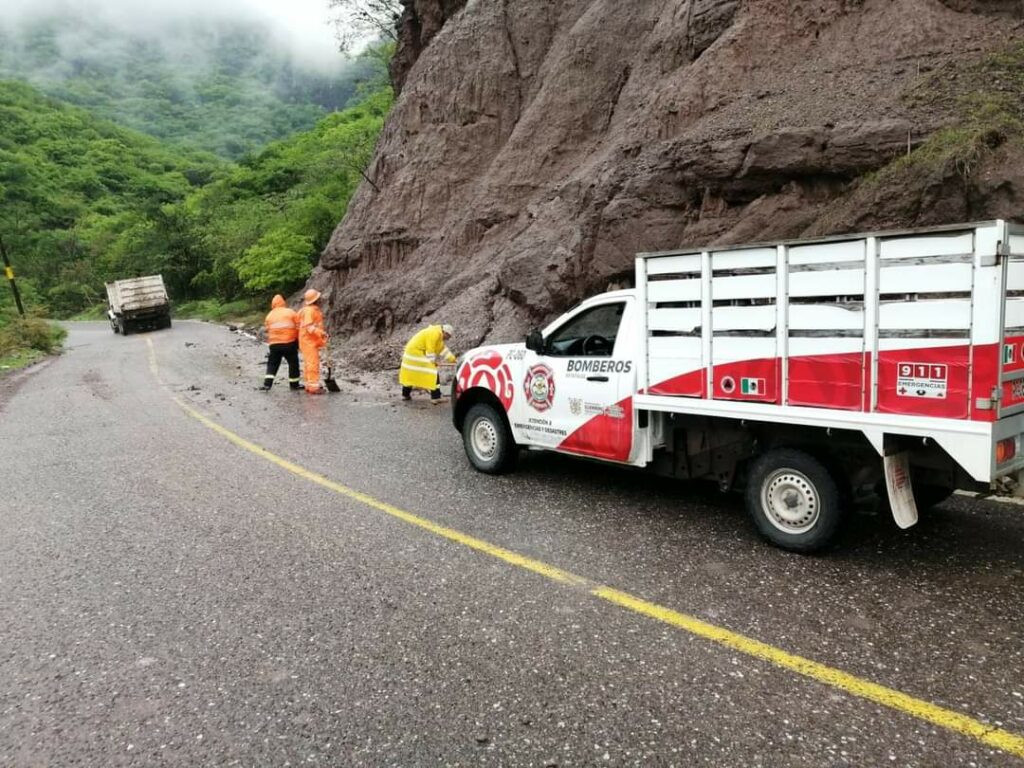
(925, 323)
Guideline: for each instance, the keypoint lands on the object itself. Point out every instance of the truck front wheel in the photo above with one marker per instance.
(488, 440)
(794, 500)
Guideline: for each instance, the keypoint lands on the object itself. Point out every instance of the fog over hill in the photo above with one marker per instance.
(222, 75)
(299, 26)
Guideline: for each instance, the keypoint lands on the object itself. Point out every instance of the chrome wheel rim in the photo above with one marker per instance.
(790, 501)
(484, 438)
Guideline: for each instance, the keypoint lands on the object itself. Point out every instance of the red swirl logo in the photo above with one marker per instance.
(488, 369)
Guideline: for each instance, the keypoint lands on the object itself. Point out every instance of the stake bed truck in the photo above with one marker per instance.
(805, 373)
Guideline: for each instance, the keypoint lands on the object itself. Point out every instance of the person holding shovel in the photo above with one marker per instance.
(419, 360)
(312, 338)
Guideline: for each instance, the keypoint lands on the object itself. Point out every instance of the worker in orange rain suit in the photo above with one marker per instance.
(312, 338)
(419, 361)
(282, 326)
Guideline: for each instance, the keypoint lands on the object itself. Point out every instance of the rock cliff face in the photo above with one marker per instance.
(538, 144)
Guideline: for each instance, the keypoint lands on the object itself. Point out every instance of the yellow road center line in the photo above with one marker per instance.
(153, 367)
(835, 678)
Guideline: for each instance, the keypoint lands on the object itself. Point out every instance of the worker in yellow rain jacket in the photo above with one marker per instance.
(419, 361)
(312, 338)
(282, 325)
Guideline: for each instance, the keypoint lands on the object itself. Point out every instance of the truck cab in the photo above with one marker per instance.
(567, 388)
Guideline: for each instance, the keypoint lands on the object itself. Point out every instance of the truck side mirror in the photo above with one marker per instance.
(535, 342)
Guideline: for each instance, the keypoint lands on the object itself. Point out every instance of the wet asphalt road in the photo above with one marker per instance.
(167, 598)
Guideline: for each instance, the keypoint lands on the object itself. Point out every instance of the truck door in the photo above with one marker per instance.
(577, 394)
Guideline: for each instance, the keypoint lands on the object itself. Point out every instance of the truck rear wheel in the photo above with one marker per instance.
(794, 500)
(125, 327)
(488, 440)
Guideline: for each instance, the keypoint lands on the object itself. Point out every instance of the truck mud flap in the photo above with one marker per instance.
(900, 489)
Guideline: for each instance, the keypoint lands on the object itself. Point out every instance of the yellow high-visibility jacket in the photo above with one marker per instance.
(419, 361)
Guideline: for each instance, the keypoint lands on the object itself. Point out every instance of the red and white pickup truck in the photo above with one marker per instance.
(803, 372)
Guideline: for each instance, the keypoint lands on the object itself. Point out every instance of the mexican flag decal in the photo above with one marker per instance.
(751, 386)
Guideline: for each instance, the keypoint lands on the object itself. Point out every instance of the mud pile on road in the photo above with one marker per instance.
(537, 145)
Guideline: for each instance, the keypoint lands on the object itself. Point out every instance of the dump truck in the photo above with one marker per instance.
(138, 303)
(805, 374)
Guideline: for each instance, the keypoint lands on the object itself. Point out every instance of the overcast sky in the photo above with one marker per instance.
(304, 23)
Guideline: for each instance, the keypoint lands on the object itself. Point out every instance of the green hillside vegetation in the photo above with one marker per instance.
(256, 229)
(66, 178)
(83, 201)
(262, 227)
(225, 87)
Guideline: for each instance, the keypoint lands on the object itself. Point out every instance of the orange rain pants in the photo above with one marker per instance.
(312, 338)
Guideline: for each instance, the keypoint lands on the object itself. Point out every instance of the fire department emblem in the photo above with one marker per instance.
(540, 387)
(488, 370)
(575, 406)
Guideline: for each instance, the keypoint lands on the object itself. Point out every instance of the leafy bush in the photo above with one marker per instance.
(247, 311)
(30, 333)
(280, 258)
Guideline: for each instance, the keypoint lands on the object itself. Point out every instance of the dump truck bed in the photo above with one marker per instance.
(137, 294)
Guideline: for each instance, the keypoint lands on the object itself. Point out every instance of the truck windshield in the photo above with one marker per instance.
(591, 333)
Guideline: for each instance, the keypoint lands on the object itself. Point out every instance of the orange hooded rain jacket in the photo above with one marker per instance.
(282, 323)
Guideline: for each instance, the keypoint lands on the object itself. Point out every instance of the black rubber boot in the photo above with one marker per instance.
(435, 394)
(407, 393)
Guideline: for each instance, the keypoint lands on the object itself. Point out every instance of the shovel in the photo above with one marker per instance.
(329, 382)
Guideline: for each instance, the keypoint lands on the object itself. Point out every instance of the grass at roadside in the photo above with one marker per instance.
(241, 312)
(25, 340)
(98, 312)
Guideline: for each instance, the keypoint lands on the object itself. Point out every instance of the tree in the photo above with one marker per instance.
(281, 260)
(355, 21)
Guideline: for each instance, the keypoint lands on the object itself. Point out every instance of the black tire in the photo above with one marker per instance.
(166, 322)
(114, 326)
(126, 327)
(794, 500)
(485, 426)
(928, 496)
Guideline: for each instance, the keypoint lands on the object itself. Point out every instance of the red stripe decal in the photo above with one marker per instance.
(941, 382)
(607, 436)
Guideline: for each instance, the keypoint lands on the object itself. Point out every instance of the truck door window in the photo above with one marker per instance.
(590, 334)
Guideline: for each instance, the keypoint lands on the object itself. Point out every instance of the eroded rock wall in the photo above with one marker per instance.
(538, 144)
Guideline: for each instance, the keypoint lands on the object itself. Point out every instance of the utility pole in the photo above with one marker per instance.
(9, 272)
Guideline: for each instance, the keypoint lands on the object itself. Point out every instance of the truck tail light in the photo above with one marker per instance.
(1005, 450)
